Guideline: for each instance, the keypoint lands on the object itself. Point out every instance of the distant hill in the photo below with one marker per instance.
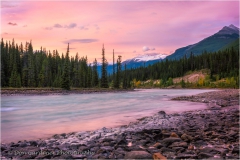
(225, 38)
(136, 62)
(216, 42)
(234, 45)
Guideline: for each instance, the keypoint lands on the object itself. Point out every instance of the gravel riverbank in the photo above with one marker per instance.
(200, 134)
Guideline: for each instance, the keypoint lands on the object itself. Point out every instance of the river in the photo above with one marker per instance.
(41, 116)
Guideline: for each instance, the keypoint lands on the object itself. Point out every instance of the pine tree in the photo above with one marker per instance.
(114, 80)
(117, 85)
(66, 74)
(15, 78)
(125, 77)
(95, 74)
(104, 81)
(31, 73)
(3, 64)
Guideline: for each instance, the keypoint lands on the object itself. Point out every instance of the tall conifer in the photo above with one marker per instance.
(104, 81)
(66, 74)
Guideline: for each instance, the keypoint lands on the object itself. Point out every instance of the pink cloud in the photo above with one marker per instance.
(123, 26)
(12, 24)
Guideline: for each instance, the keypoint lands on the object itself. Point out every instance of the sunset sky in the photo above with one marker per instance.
(130, 28)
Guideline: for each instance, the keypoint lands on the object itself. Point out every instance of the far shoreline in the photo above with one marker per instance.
(60, 91)
(57, 91)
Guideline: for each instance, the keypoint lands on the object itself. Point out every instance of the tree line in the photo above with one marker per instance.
(222, 65)
(21, 66)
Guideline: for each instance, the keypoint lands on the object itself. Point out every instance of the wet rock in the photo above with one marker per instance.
(23, 144)
(94, 149)
(158, 145)
(121, 142)
(178, 149)
(169, 141)
(179, 144)
(166, 135)
(191, 147)
(166, 150)
(210, 150)
(3, 148)
(186, 137)
(157, 156)
(233, 134)
(107, 140)
(75, 146)
(186, 156)
(84, 148)
(107, 148)
(235, 150)
(157, 136)
(112, 156)
(203, 155)
(120, 156)
(14, 145)
(33, 143)
(173, 134)
(76, 156)
(138, 155)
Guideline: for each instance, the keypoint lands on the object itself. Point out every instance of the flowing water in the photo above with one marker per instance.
(40, 116)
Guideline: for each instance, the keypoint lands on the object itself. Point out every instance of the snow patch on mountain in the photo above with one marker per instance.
(148, 57)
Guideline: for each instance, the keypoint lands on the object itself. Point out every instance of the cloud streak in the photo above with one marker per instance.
(70, 26)
(47, 28)
(80, 41)
(8, 4)
(83, 28)
(12, 24)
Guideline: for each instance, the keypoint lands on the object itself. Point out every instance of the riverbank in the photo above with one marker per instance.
(209, 133)
(57, 91)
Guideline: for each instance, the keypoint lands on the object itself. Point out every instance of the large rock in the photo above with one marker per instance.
(138, 155)
(167, 150)
(186, 156)
(211, 150)
(169, 141)
(203, 155)
(186, 137)
(179, 144)
(157, 156)
(173, 134)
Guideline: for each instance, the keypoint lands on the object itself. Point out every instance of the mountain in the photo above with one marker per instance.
(227, 37)
(216, 42)
(234, 45)
(145, 59)
(141, 60)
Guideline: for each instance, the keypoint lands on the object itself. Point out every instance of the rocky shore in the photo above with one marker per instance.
(22, 91)
(212, 133)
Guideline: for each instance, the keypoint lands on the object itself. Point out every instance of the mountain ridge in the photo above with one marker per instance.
(213, 43)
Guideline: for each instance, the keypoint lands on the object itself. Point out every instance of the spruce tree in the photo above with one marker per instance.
(104, 81)
(95, 74)
(117, 85)
(125, 77)
(114, 80)
(66, 74)
(89, 76)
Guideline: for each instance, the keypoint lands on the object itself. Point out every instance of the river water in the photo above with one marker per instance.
(33, 117)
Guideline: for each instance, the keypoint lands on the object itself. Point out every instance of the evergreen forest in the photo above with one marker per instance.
(22, 66)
